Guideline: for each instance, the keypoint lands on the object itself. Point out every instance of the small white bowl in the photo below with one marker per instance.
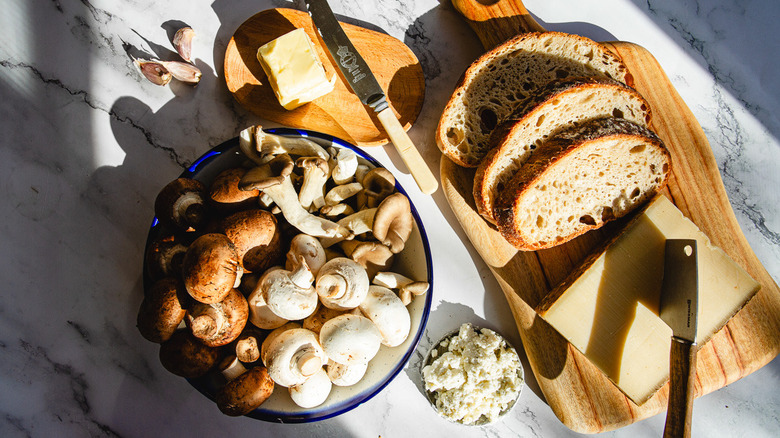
(414, 262)
(438, 349)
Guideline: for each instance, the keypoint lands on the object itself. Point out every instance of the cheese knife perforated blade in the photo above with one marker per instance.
(679, 309)
(365, 86)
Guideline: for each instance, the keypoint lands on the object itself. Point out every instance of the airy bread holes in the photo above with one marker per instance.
(488, 119)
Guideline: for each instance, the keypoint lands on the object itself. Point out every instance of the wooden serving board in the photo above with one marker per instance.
(582, 397)
(339, 113)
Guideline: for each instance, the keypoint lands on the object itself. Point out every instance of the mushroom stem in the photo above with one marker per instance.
(342, 192)
(261, 147)
(301, 276)
(231, 367)
(345, 167)
(315, 175)
(357, 223)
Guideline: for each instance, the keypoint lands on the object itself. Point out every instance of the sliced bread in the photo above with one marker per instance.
(579, 180)
(500, 79)
(559, 106)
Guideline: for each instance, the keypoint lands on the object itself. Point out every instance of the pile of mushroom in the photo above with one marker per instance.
(279, 272)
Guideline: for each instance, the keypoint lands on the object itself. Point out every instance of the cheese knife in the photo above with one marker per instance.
(679, 309)
(365, 86)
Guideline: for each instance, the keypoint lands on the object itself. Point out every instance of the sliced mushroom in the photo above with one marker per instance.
(261, 147)
(162, 310)
(219, 323)
(185, 356)
(256, 237)
(315, 174)
(293, 356)
(313, 392)
(346, 375)
(180, 205)
(211, 268)
(225, 195)
(378, 184)
(278, 186)
(308, 247)
(246, 389)
(350, 338)
(342, 284)
(389, 314)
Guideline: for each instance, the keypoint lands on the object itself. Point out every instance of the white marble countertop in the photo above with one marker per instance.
(88, 143)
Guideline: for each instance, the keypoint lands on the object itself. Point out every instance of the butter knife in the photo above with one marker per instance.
(365, 86)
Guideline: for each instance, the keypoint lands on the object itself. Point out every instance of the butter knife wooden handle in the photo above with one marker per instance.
(682, 369)
(408, 152)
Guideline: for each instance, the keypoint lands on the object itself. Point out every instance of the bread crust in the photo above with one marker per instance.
(609, 65)
(546, 160)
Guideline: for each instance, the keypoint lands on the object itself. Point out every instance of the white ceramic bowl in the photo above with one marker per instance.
(414, 262)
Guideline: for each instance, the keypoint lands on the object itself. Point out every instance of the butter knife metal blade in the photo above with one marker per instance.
(364, 84)
(679, 309)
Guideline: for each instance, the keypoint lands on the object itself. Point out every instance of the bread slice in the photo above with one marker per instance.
(559, 106)
(579, 180)
(496, 82)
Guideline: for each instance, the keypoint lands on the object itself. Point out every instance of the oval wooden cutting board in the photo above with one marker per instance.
(582, 397)
(339, 113)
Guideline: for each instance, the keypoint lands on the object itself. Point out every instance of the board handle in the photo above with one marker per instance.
(495, 21)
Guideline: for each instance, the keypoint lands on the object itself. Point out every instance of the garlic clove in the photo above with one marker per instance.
(155, 71)
(182, 41)
(183, 71)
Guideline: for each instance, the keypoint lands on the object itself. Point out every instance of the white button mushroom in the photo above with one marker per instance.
(342, 284)
(348, 339)
(259, 313)
(288, 294)
(345, 167)
(313, 392)
(308, 247)
(346, 375)
(292, 356)
(388, 313)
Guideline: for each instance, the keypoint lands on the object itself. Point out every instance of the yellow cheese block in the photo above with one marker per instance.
(294, 71)
(608, 309)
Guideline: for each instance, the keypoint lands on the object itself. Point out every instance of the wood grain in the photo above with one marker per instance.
(339, 113)
(582, 397)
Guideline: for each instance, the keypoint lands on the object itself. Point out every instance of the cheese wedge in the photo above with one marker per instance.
(608, 309)
(294, 71)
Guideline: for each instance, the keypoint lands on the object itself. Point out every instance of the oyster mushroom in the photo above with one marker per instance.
(315, 175)
(345, 166)
(348, 339)
(288, 294)
(256, 237)
(346, 375)
(273, 179)
(293, 356)
(341, 192)
(378, 184)
(336, 210)
(180, 205)
(245, 390)
(312, 392)
(406, 286)
(162, 310)
(342, 284)
(225, 194)
(219, 323)
(261, 147)
(211, 268)
(185, 356)
(393, 222)
(388, 313)
(308, 247)
(371, 255)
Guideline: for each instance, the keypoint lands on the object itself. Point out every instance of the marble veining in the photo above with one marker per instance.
(88, 143)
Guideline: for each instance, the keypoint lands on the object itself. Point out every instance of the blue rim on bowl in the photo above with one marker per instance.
(207, 386)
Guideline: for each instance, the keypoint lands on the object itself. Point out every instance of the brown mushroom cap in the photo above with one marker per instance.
(220, 323)
(210, 268)
(187, 357)
(257, 238)
(180, 205)
(248, 344)
(162, 310)
(225, 194)
(393, 222)
(164, 257)
(245, 393)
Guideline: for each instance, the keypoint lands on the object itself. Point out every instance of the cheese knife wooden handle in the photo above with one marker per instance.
(682, 369)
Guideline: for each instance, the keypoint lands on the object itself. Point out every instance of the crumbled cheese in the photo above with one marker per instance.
(477, 374)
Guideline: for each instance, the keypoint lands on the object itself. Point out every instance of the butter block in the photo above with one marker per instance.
(294, 71)
(608, 309)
